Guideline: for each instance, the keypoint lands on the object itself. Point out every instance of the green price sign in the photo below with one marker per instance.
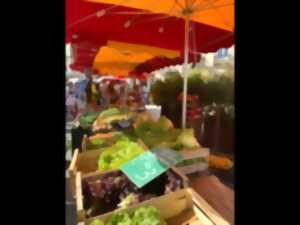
(144, 169)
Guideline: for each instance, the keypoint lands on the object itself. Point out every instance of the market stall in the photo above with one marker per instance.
(131, 163)
(107, 148)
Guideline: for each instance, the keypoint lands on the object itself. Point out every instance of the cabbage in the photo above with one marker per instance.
(115, 156)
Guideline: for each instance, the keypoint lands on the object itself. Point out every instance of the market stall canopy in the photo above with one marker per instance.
(202, 11)
(118, 58)
(155, 63)
(90, 25)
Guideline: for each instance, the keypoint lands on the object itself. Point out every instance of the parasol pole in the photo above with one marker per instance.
(185, 68)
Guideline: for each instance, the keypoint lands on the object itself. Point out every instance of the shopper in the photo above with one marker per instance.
(103, 86)
(71, 106)
(88, 88)
(112, 94)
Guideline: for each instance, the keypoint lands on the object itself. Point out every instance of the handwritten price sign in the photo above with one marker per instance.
(144, 169)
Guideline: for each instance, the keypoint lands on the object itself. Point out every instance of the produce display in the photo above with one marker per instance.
(100, 140)
(107, 117)
(117, 154)
(162, 133)
(144, 215)
(152, 133)
(87, 119)
(114, 190)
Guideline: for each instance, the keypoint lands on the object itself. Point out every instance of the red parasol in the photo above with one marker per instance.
(90, 25)
(155, 64)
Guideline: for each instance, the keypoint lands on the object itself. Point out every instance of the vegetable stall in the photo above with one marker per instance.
(128, 166)
(118, 137)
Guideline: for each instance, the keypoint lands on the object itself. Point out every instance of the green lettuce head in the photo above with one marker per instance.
(96, 222)
(120, 219)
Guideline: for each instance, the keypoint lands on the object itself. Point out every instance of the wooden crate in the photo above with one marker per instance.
(194, 154)
(184, 207)
(96, 175)
(87, 161)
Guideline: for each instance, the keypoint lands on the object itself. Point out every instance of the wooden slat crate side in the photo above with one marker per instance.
(193, 154)
(190, 154)
(185, 179)
(84, 143)
(193, 168)
(181, 198)
(178, 208)
(209, 211)
(73, 165)
(87, 162)
(97, 174)
(79, 198)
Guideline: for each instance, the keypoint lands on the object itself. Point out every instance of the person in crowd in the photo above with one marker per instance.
(112, 94)
(88, 88)
(122, 101)
(71, 106)
(95, 94)
(103, 86)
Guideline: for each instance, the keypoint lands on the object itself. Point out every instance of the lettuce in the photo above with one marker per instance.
(121, 218)
(96, 222)
(141, 216)
(86, 119)
(156, 133)
(146, 216)
(187, 139)
(116, 155)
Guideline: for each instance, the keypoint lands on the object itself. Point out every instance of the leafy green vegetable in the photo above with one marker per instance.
(96, 222)
(121, 218)
(116, 155)
(86, 119)
(127, 201)
(111, 112)
(141, 216)
(187, 139)
(146, 216)
(157, 133)
(99, 142)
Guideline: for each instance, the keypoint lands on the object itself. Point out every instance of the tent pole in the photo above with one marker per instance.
(185, 68)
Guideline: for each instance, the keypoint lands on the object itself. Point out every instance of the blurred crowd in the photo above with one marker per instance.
(87, 95)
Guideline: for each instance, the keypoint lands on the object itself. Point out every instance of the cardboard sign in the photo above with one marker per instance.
(167, 156)
(144, 169)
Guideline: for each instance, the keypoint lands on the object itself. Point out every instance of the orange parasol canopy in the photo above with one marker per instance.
(119, 58)
(217, 13)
